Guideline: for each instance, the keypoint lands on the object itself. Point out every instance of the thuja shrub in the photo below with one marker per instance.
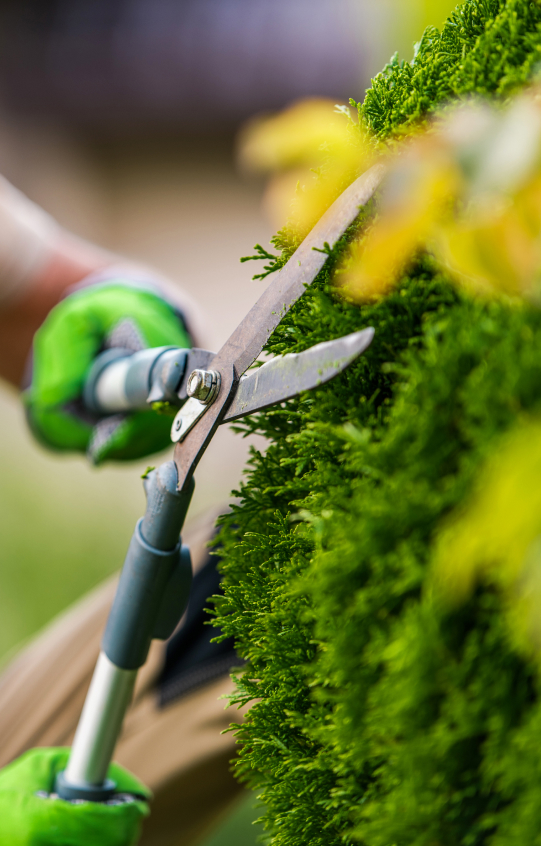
(378, 716)
(487, 47)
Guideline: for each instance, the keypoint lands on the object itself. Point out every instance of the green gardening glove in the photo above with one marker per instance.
(115, 313)
(27, 819)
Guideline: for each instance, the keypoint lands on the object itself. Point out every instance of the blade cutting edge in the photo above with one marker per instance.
(286, 376)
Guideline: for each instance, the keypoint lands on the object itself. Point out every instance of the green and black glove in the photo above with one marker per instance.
(115, 313)
(30, 817)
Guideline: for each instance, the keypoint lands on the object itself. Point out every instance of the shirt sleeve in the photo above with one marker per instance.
(27, 238)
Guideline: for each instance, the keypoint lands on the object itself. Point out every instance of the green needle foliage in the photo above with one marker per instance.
(487, 47)
(379, 716)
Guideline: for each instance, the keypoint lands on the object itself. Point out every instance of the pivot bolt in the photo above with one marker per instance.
(203, 385)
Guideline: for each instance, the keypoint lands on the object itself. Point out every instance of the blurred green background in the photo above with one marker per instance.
(64, 527)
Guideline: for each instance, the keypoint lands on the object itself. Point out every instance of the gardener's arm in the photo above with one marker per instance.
(39, 263)
(39, 260)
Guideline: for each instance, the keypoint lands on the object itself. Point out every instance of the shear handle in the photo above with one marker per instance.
(121, 381)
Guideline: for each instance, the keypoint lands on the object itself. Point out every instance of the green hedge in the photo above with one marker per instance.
(487, 47)
(377, 717)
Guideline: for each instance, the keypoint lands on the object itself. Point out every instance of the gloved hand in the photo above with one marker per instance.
(27, 819)
(113, 313)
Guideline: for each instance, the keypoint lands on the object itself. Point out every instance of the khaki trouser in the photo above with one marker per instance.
(177, 750)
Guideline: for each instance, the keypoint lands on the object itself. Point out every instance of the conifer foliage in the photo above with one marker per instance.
(487, 47)
(380, 716)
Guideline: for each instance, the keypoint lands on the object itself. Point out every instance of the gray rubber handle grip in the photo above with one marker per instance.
(121, 381)
(155, 582)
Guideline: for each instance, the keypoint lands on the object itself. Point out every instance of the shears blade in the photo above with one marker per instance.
(286, 376)
(194, 425)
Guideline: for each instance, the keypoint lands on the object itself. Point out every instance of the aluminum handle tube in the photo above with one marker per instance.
(108, 698)
(110, 390)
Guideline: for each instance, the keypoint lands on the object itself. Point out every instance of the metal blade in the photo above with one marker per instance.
(251, 335)
(286, 376)
(288, 284)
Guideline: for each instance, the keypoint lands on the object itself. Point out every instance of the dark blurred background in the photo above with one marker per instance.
(119, 117)
(177, 65)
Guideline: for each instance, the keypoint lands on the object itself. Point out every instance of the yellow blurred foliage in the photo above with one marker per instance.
(374, 263)
(300, 135)
(497, 248)
(469, 191)
(314, 150)
(496, 539)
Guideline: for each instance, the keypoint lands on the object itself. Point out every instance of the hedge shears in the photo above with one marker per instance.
(209, 390)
